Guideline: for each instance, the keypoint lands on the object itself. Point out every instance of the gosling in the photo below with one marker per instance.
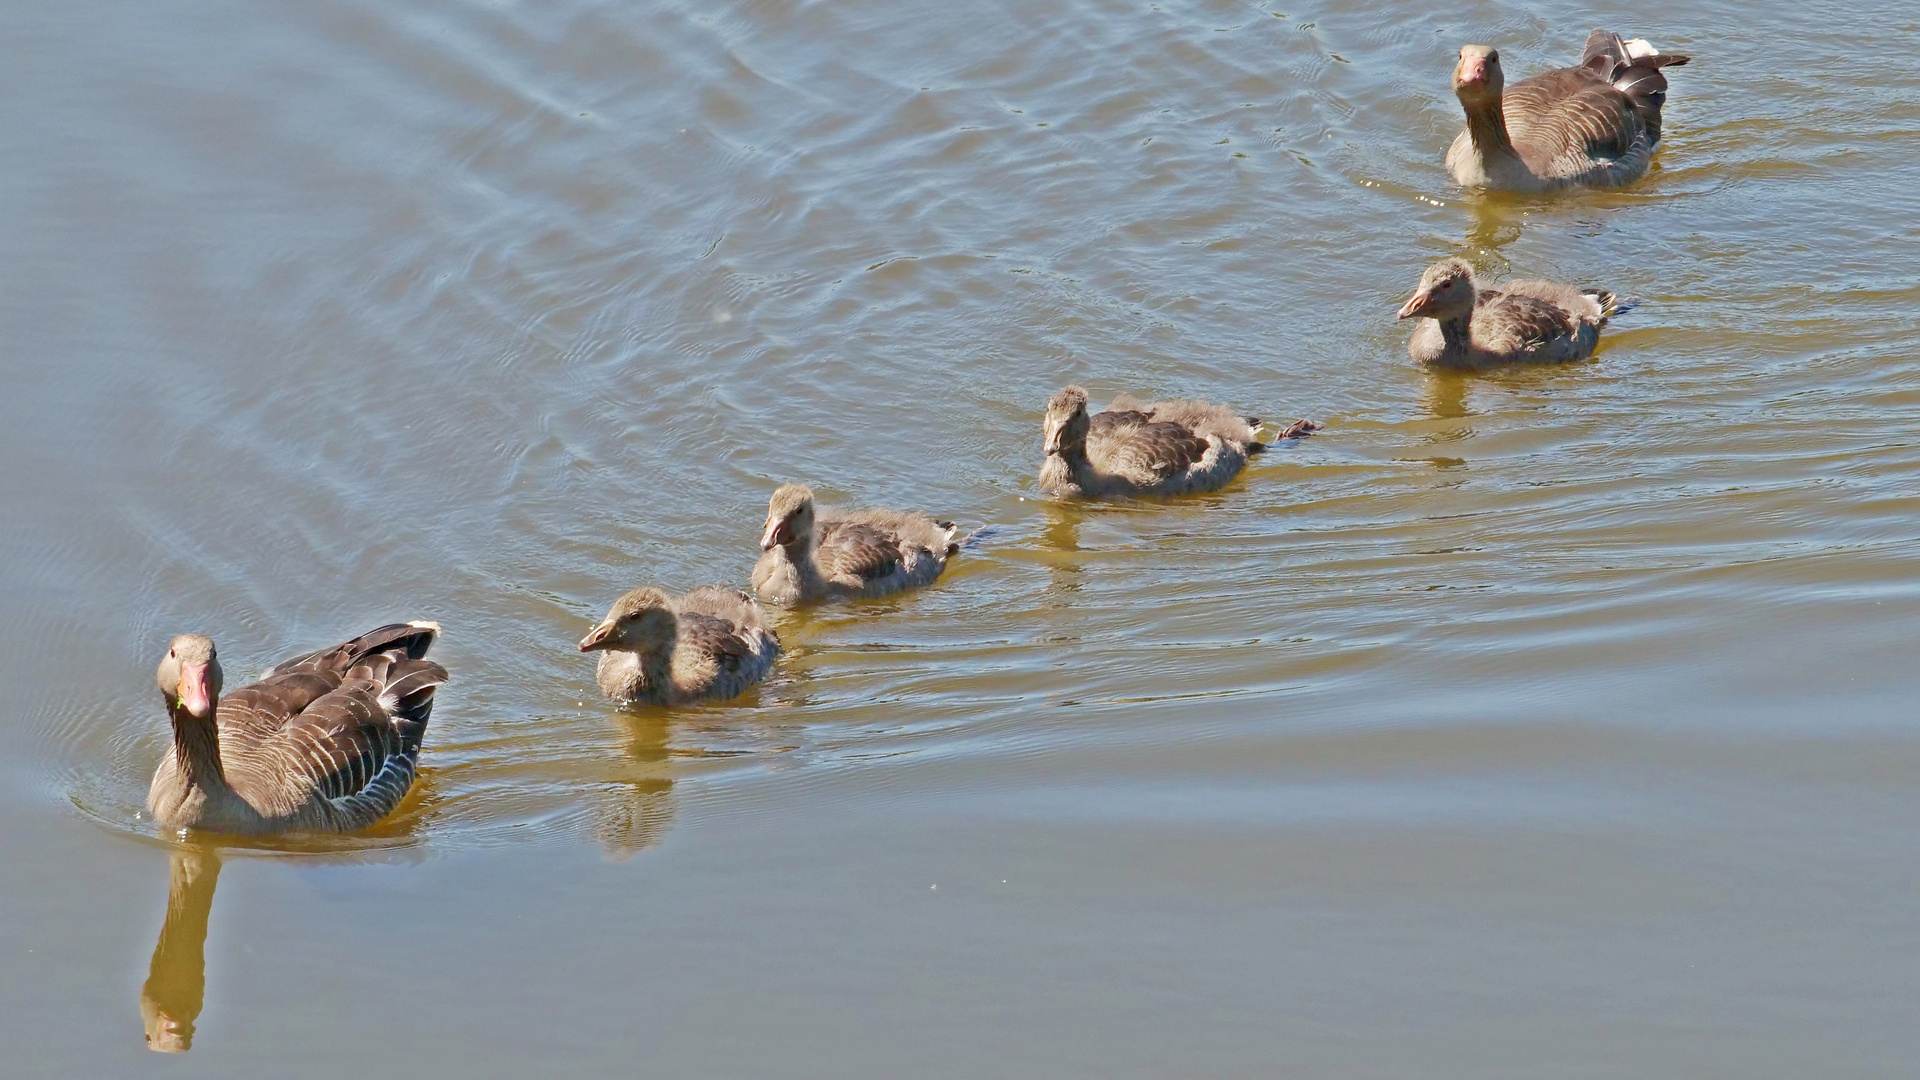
(1521, 322)
(810, 552)
(1134, 448)
(710, 644)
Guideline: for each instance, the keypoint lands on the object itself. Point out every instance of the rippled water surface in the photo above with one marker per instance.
(1538, 723)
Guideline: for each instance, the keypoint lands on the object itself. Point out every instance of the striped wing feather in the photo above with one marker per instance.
(338, 743)
(1569, 121)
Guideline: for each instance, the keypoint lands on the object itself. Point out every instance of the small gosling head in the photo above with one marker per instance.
(1066, 422)
(1445, 290)
(639, 621)
(789, 517)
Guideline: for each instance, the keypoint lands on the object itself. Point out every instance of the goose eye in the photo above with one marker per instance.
(1493, 57)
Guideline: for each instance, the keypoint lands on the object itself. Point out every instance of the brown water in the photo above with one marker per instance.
(1546, 723)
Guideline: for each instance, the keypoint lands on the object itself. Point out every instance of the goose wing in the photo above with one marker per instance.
(259, 710)
(1111, 422)
(1512, 324)
(713, 636)
(856, 552)
(330, 738)
(336, 746)
(1149, 453)
(412, 638)
(1566, 121)
(1634, 69)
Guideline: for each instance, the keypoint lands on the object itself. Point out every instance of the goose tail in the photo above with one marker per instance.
(408, 698)
(973, 540)
(1611, 305)
(1618, 52)
(411, 639)
(1633, 67)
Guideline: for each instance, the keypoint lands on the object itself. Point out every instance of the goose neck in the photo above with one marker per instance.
(1487, 126)
(1457, 332)
(656, 670)
(1071, 463)
(801, 554)
(196, 748)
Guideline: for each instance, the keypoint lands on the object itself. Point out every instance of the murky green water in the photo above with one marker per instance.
(1544, 723)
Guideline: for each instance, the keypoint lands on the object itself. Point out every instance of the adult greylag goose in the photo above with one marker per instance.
(710, 643)
(814, 551)
(1594, 125)
(1136, 448)
(1519, 322)
(326, 741)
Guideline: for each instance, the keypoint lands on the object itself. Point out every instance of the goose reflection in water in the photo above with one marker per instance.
(1497, 221)
(1061, 552)
(176, 983)
(636, 812)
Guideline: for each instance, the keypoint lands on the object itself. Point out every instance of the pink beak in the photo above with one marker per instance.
(194, 694)
(1473, 71)
(1415, 304)
(599, 637)
(778, 533)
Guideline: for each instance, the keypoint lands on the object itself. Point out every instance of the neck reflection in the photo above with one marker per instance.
(176, 985)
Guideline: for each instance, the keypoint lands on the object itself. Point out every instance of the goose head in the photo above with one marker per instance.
(189, 676)
(640, 621)
(1477, 78)
(1445, 292)
(789, 517)
(1066, 423)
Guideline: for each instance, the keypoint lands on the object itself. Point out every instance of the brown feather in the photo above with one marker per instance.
(856, 552)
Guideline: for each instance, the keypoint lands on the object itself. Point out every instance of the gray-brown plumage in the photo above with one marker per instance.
(328, 741)
(814, 551)
(1594, 125)
(1136, 448)
(710, 643)
(1519, 322)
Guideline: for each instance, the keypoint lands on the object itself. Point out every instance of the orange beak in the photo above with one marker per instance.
(1472, 71)
(1416, 304)
(195, 697)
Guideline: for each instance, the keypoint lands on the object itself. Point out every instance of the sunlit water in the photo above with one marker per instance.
(1548, 722)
